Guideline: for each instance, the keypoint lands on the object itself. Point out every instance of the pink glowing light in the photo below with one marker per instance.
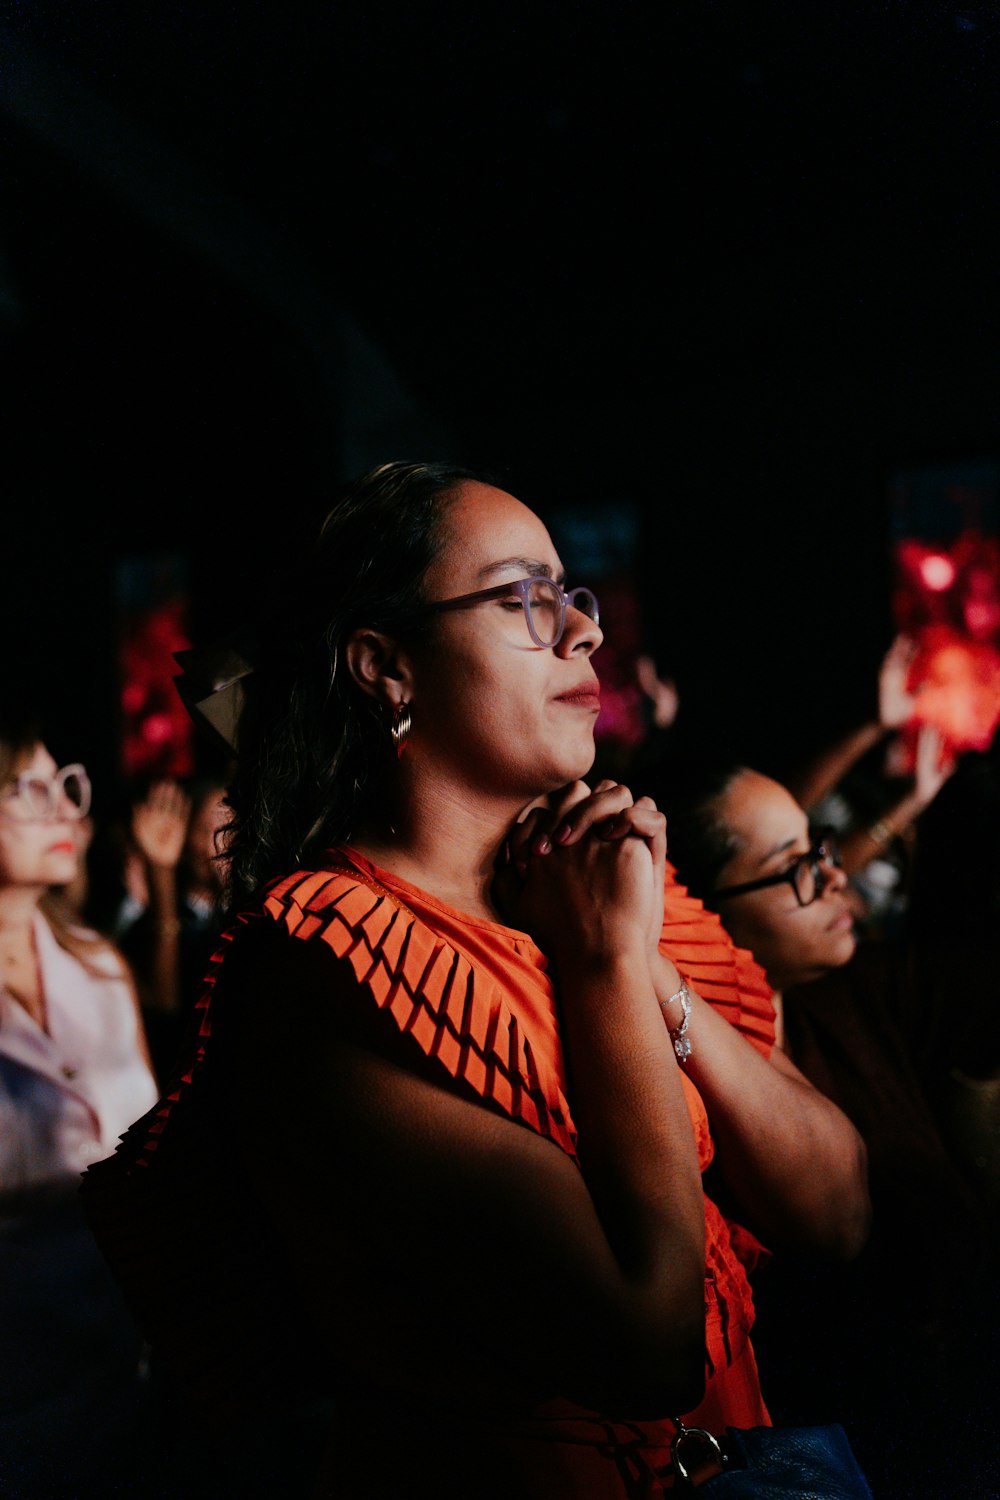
(156, 729)
(937, 572)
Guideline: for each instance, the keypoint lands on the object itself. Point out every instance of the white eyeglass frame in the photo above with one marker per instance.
(57, 804)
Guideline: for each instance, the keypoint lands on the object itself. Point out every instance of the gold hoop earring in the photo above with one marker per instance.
(402, 723)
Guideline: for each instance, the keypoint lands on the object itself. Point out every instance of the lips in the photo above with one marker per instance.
(587, 695)
(65, 846)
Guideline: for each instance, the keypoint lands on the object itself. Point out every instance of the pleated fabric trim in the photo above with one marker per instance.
(455, 1013)
(729, 978)
(459, 1017)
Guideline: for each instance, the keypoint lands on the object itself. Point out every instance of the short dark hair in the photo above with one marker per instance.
(312, 749)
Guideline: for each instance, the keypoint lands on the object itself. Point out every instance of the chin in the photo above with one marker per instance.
(847, 948)
(584, 762)
(566, 769)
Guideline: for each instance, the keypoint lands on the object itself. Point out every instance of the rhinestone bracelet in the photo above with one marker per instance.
(678, 1034)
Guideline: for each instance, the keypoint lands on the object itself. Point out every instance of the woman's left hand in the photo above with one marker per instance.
(576, 812)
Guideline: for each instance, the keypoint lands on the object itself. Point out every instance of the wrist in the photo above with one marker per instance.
(676, 1010)
(891, 824)
(606, 983)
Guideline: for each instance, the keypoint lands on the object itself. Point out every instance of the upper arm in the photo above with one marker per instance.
(428, 1228)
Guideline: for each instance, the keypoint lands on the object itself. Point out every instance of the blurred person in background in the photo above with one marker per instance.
(902, 1342)
(74, 1074)
(179, 835)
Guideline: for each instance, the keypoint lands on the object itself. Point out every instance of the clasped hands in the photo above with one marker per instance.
(582, 870)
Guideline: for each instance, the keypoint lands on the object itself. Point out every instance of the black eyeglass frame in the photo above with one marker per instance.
(824, 851)
(521, 586)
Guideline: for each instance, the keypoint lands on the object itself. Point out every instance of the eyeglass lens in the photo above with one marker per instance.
(545, 605)
(812, 872)
(34, 798)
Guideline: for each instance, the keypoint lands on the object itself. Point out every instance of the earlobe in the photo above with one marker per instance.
(378, 666)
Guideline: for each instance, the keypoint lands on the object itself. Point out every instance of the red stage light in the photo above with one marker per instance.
(958, 688)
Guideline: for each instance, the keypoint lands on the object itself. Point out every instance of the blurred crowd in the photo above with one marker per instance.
(108, 924)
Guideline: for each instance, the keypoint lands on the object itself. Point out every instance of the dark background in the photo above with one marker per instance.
(720, 268)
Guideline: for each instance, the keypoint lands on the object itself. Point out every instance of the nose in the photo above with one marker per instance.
(581, 635)
(834, 876)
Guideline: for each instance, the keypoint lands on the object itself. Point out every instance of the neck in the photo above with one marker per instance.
(444, 840)
(18, 905)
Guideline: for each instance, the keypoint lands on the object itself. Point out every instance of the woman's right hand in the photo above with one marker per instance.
(934, 764)
(159, 824)
(585, 873)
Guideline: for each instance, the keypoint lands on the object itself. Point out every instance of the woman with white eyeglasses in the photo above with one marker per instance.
(422, 1214)
(74, 1074)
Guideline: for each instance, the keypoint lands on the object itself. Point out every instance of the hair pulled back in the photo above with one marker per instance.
(699, 842)
(312, 749)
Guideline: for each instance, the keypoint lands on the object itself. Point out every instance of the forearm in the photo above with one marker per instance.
(636, 1143)
(821, 775)
(791, 1159)
(862, 845)
(164, 976)
(461, 1185)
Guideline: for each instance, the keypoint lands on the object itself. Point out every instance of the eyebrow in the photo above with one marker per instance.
(778, 849)
(530, 566)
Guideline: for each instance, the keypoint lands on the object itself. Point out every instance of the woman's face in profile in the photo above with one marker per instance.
(792, 943)
(37, 851)
(496, 711)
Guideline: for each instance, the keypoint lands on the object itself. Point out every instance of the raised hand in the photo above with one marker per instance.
(159, 824)
(895, 700)
(933, 764)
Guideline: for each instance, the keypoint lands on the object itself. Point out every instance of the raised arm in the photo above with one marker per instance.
(932, 768)
(895, 706)
(363, 1150)
(159, 826)
(790, 1159)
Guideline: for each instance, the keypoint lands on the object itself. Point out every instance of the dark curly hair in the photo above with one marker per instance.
(312, 750)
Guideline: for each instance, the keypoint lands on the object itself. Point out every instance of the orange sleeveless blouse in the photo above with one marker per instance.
(478, 1000)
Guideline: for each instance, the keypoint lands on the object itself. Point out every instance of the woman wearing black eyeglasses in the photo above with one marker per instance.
(423, 1214)
(742, 843)
(74, 1074)
(903, 1345)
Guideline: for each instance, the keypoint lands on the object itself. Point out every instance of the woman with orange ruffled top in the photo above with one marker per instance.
(426, 1202)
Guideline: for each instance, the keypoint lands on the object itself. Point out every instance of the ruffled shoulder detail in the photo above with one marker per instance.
(729, 978)
(456, 1013)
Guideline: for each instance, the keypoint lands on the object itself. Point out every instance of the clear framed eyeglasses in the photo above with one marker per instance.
(30, 798)
(542, 601)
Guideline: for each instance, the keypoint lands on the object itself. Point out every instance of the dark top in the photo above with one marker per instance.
(901, 1346)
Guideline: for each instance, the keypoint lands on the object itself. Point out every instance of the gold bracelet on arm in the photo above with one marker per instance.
(881, 832)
